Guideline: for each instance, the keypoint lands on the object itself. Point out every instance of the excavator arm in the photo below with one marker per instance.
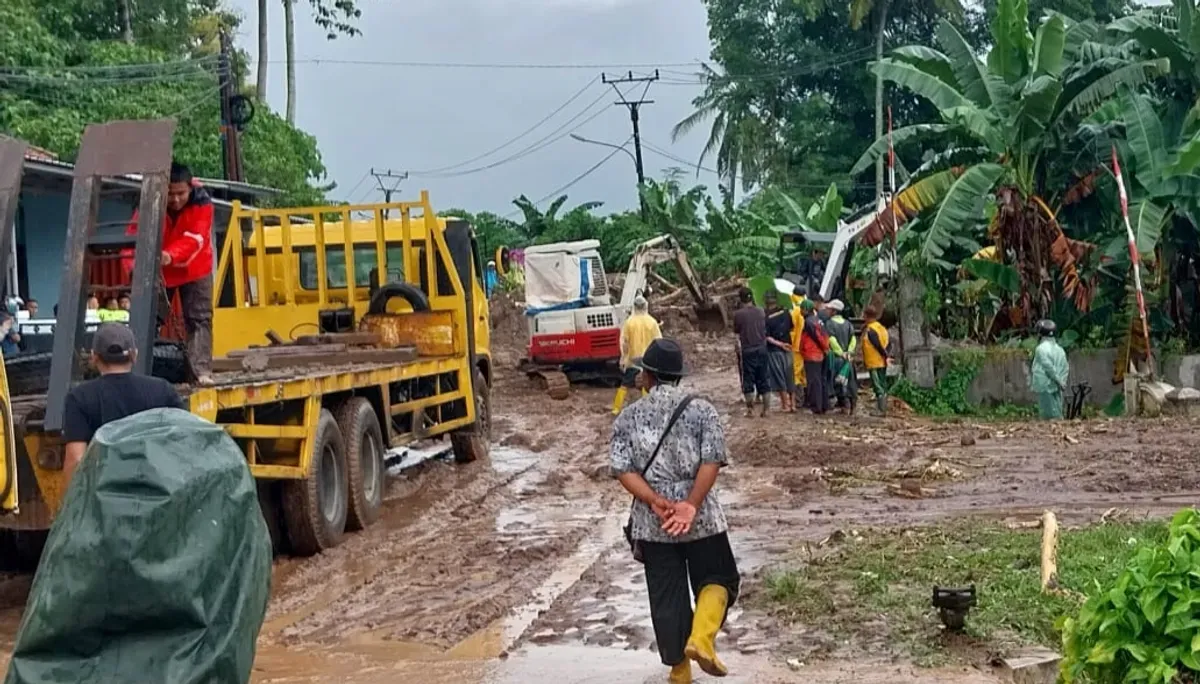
(666, 249)
(660, 250)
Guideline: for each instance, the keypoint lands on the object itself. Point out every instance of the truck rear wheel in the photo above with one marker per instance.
(315, 508)
(364, 461)
(472, 443)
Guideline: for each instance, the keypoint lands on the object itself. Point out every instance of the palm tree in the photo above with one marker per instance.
(538, 223)
(289, 42)
(260, 87)
(1011, 111)
(737, 133)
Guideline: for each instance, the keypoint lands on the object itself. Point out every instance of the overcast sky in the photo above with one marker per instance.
(422, 118)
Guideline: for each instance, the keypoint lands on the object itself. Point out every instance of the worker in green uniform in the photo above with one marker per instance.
(1049, 372)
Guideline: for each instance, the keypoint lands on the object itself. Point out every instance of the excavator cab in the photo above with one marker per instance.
(803, 259)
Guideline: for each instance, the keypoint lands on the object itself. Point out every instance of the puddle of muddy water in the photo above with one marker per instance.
(508, 460)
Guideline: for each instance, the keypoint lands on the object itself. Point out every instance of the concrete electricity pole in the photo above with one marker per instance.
(634, 108)
(394, 181)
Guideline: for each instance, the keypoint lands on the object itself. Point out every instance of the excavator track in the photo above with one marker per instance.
(555, 383)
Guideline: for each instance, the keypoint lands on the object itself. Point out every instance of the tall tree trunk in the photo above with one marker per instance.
(289, 38)
(879, 33)
(260, 87)
(126, 22)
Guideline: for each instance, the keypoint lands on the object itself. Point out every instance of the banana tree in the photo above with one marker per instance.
(1010, 113)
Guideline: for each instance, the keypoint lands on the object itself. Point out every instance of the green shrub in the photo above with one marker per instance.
(1145, 627)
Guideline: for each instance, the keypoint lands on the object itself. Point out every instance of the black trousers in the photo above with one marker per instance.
(671, 569)
(195, 299)
(754, 372)
(818, 394)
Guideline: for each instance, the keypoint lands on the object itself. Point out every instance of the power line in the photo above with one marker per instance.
(486, 65)
(667, 155)
(547, 140)
(358, 185)
(522, 134)
(198, 101)
(556, 193)
(115, 68)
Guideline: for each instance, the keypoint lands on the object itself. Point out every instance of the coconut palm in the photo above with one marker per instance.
(737, 135)
(1011, 113)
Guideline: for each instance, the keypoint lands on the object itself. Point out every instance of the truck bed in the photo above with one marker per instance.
(234, 388)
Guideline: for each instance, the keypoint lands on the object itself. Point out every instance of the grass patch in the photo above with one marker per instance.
(879, 586)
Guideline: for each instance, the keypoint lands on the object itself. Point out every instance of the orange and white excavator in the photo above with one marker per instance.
(574, 324)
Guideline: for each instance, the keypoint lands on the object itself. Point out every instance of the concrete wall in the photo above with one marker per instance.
(1004, 377)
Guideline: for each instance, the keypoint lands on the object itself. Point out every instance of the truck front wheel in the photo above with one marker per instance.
(315, 508)
(473, 442)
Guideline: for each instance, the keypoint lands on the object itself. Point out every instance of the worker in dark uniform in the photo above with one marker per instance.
(116, 394)
(187, 263)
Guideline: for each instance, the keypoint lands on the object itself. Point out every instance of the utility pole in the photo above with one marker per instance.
(634, 107)
(393, 184)
(231, 147)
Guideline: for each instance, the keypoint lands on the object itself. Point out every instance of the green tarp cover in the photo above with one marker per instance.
(158, 566)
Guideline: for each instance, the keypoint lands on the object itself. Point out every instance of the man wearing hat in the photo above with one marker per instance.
(667, 450)
(116, 394)
(842, 345)
(1049, 372)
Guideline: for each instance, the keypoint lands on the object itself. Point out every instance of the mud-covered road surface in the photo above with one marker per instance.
(514, 570)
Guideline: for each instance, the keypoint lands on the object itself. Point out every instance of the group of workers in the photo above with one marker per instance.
(805, 355)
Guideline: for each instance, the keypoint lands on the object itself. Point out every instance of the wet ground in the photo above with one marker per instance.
(514, 570)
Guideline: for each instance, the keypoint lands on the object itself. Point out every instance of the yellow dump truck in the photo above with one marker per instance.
(316, 375)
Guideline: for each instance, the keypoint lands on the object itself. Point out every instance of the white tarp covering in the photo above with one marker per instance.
(555, 280)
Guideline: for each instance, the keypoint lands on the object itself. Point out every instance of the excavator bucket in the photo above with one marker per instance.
(713, 316)
(12, 164)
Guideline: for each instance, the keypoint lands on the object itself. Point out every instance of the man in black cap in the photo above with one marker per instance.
(667, 449)
(116, 394)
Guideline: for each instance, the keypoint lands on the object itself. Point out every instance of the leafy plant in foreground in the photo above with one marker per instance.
(1145, 627)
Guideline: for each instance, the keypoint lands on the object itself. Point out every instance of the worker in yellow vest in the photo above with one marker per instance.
(639, 331)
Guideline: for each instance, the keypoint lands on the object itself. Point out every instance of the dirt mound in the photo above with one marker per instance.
(510, 331)
(798, 446)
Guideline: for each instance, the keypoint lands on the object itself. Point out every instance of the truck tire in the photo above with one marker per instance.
(473, 442)
(315, 508)
(28, 373)
(367, 474)
(170, 362)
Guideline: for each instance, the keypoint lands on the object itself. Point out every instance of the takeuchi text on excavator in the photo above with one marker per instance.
(575, 326)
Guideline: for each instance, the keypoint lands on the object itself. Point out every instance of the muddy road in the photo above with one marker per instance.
(514, 570)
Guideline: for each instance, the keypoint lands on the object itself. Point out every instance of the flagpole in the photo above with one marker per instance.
(1135, 258)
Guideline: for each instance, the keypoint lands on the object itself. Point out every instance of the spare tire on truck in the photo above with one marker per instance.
(158, 565)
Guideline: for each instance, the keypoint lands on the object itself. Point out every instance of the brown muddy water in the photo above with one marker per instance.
(514, 570)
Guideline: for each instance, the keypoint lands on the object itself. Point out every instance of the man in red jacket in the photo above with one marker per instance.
(187, 263)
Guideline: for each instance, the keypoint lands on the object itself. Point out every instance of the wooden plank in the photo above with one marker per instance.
(288, 350)
(354, 338)
(265, 361)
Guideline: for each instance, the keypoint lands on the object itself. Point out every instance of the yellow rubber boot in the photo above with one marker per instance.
(710, 613)
(681, 673)
(619, 400)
